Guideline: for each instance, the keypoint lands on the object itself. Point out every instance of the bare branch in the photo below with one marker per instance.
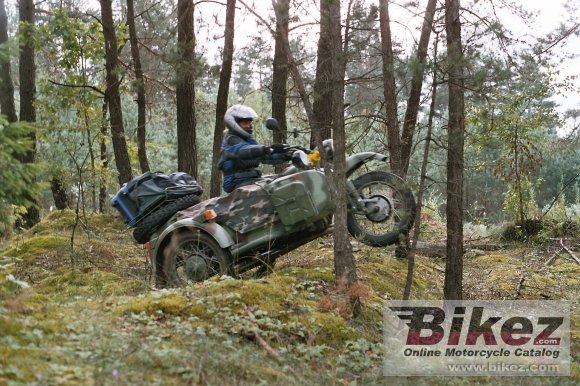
(95, 89)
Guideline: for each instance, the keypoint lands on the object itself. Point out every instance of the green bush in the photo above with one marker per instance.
(17, 178)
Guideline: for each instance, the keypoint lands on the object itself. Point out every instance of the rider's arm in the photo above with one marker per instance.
(253, 151)
(245, 150)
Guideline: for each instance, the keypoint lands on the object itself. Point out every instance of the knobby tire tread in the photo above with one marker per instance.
(145, 228)
(393, 236)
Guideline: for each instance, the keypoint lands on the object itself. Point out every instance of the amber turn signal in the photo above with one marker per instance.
(209, 214)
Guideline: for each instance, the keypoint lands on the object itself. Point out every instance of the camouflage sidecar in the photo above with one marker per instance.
(255, 224)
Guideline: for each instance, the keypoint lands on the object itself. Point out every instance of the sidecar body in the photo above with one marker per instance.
(255, 218)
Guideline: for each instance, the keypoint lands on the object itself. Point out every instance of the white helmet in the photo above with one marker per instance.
(238, 113)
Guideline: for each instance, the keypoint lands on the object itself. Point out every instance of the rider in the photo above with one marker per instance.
(241, 154)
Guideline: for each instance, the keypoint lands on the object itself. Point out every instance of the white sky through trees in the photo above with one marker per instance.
(549, 15)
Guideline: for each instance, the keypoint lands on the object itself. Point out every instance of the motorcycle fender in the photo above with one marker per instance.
(211, 228)
(355, 161)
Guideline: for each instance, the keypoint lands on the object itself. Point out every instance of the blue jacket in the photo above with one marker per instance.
(239, 159)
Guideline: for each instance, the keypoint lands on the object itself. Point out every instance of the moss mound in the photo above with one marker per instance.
(91, 316)
(38, 247)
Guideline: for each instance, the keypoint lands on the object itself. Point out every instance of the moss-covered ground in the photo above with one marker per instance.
(85, 311)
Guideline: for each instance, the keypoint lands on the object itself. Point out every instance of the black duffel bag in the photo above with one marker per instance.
(151, 190)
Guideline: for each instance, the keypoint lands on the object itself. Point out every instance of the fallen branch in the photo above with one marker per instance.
(440, 250)
(259, 338)
(564, 248)
(439, 268)
(569, 251)
(262, 342)
(566, 186)
(553, 257)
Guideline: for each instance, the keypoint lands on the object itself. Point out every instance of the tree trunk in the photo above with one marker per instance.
(185, 91)
(417, 229)
(103, 157)
(140, 86)
(222, 97)
(518, 186)
(454, 264)
(112, 94)
(27, 65)
(389, 89)
(293, 68)
(58, 190)
(27, 75)
(6, 86)
(323, 83)
(414, 100)
(344, 263)
(280, 75)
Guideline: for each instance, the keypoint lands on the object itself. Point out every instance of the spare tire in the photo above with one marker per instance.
(145, 228)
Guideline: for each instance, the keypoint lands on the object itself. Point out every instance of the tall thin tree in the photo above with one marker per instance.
(400, 144)
(292, 67)
(112, 93)
(323, 83)
(344, 263)
(456, 136)
(222, 96)
(6, 86)
(280, 74)
(414, 100)
(423, 177)
(185, 90)
(27, 76)
(140, 88)
(103, 156)
(389, 89)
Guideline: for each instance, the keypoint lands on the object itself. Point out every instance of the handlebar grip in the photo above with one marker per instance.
(278, 147)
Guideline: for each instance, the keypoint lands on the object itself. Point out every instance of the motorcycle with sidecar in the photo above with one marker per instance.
(249, 228)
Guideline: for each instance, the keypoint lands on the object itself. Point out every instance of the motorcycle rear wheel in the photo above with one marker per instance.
(391, 209)
(191, 257)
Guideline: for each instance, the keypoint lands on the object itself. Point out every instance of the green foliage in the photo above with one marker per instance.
(18, 184)
(560, 170)
(510, 132)
(67, 39)
(512, 205)
(72, 110)
(8, 49)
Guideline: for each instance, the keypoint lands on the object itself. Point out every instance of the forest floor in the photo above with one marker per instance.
(89, 314)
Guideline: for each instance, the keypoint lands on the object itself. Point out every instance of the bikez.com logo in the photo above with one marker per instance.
(426, 327)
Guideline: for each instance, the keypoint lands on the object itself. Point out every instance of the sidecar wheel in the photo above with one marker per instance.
(145, 228)
(390, 209)
(191, 257)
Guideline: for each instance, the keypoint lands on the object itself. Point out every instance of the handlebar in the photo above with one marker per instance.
(287, 152)
(288, 149)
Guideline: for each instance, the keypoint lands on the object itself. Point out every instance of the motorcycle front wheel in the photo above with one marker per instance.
(191, 257)
(389, 209)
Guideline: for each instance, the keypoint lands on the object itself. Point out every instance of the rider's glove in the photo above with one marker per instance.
(278, 147)
(267, 150)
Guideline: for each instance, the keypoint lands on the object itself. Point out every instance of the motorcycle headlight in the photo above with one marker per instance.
(328, 148)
